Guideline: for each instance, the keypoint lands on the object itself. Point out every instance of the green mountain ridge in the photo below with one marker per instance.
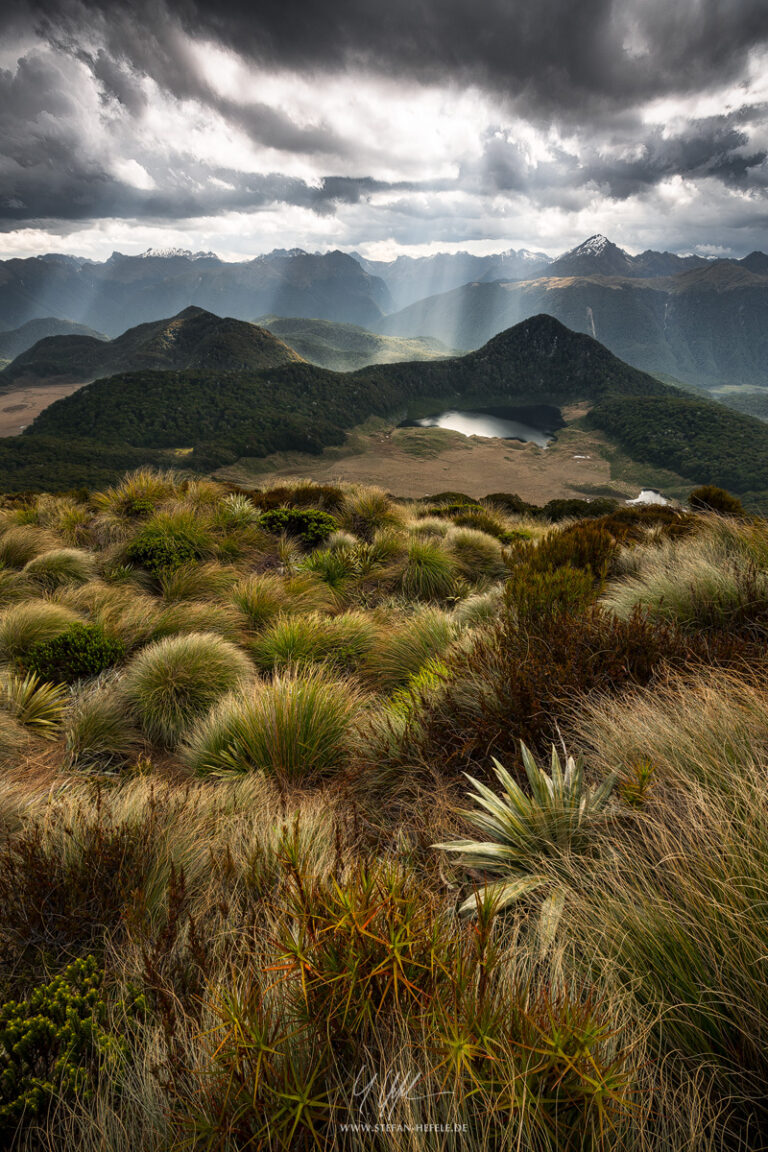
(194, 340)
(18, 340)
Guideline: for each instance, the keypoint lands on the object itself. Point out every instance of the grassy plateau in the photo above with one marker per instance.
(335, 821)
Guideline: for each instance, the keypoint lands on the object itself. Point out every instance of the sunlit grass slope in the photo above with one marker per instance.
(250, 898)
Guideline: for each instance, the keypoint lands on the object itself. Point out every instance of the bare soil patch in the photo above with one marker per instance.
(415, 462)
(20, 406)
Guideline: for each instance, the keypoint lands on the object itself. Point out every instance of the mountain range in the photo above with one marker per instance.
(129, 290)
(703, 321)
(707, 325)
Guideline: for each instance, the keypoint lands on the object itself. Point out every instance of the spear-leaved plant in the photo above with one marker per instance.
(524, 835)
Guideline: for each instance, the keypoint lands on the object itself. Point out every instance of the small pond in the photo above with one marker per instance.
(535, 424)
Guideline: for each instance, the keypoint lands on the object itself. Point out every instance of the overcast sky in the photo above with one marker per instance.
(388, 126)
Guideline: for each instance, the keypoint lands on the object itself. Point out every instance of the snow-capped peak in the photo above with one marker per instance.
(169, 253)
(593, 246)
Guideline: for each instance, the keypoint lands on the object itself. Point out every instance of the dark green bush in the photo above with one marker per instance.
(49, 1043)
(511, 502)
(449, 498)
(582, 509)
(587, 545)
(160, 550)
(326, 497)
(83, 650)
(454, 508)
(309, 525)
(709, 498)
(535, 596)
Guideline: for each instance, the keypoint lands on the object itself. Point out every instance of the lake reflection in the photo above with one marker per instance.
(534, 424)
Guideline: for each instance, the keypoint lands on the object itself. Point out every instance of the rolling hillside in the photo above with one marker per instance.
(346, 347)
(18, 340)
(194, 340)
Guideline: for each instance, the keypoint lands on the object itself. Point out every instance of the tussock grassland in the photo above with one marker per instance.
(250, 899)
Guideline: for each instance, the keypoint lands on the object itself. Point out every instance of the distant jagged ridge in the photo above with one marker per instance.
(195, 340)
(705, 323)
(114, 294)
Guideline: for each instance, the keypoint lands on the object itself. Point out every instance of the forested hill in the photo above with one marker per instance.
(540, 359)
(301, 407)
(193, 341)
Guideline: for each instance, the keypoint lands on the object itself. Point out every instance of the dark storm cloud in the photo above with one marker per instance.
(583, 67)
(716, 147)
(548, 54)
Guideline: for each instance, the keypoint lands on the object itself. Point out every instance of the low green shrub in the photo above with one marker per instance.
(326, 497)
(50, 1044)
(511, 502)
(81, 651)
(310, 526)
(709, 498)
(167, 541)
(572, 509)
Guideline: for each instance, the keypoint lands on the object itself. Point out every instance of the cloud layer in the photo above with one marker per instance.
(442, 123)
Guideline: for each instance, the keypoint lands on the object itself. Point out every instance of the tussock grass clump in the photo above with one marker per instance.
(430, 526)
(715, 579)
(14, 586)
(22, 626)
(401, 652)
(477, 555)
(125, 613)
(60, 566)
(137, 496)
(260, 598)
(197, 582)
(297, 727)
(481, 608)
(343, 640)
(98, 733)
(13, 740)
(20, 545)
(172, 683)
(427, 572)
(368, 511)
(187, 616)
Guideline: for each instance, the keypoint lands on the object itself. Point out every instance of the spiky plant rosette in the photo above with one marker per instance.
(525, 833)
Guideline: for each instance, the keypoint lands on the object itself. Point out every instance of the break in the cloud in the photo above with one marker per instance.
(419, 124)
